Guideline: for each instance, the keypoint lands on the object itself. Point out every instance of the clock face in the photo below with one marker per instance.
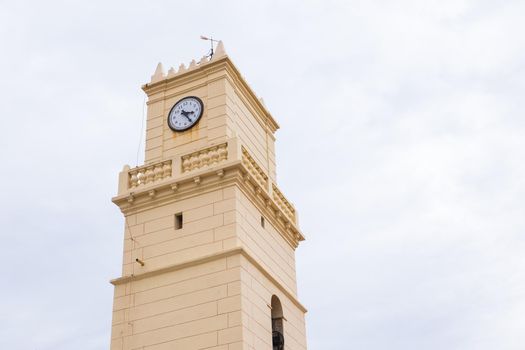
(185, 113)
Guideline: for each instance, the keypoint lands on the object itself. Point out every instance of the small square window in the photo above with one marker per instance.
(262, 221)
(178, 221)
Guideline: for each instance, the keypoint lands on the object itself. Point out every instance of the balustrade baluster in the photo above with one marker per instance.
(186, 164)
(149, 175)
(195, 161)
(223, 153)
(166, 170)
(202, 162)
(141, 177)
(158, 172)
(205, 158)
(214, 155)
(134, 180)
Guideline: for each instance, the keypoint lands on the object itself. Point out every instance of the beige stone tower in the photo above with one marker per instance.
(210, 239)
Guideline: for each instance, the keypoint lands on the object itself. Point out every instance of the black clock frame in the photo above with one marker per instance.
(196, 120)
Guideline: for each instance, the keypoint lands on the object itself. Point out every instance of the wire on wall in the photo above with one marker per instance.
(141, 130)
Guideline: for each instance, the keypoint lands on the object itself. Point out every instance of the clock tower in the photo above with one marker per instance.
(209, 237)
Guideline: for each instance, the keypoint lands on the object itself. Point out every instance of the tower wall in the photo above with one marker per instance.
(161, 143)
(187, 308)
(206, 282)
(208, 227)
(229, 112)
(253, 131)
(257, 289)
(266, 244)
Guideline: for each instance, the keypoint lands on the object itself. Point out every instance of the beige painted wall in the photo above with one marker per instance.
(189, 308)
(209, 284)
(208, 227)
(266, 245)
(254, 135)
(163, 143)
(256, 293)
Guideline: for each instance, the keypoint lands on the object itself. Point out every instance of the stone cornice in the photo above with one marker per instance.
(208, 258)
(209, 179)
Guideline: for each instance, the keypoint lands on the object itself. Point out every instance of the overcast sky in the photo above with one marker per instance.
(401, 146)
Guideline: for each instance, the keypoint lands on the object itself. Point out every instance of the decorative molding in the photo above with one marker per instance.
(208, 258)
(204, 158)
(174, 267)
(283, 203)
(178, 188)
(149, 174)
(234, 172)
(254, 169)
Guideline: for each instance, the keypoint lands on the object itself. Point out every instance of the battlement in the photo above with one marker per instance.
(160, 75)
(219, 54)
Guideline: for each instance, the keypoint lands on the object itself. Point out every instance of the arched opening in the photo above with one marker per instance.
(277, 324)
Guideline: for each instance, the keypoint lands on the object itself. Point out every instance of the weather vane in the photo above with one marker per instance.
(211, 40)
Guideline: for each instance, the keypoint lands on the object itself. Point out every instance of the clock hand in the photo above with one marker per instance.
(184, 113)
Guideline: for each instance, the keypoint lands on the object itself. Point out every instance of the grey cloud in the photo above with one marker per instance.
(401, 146)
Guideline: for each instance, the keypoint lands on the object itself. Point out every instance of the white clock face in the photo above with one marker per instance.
(185, 113)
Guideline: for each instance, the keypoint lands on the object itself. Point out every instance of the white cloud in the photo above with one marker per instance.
(411, 181)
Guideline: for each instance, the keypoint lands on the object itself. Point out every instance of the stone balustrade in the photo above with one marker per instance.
(283, 203)
(203, 158)
(208, 157)
(254, 169)
(148, 174)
